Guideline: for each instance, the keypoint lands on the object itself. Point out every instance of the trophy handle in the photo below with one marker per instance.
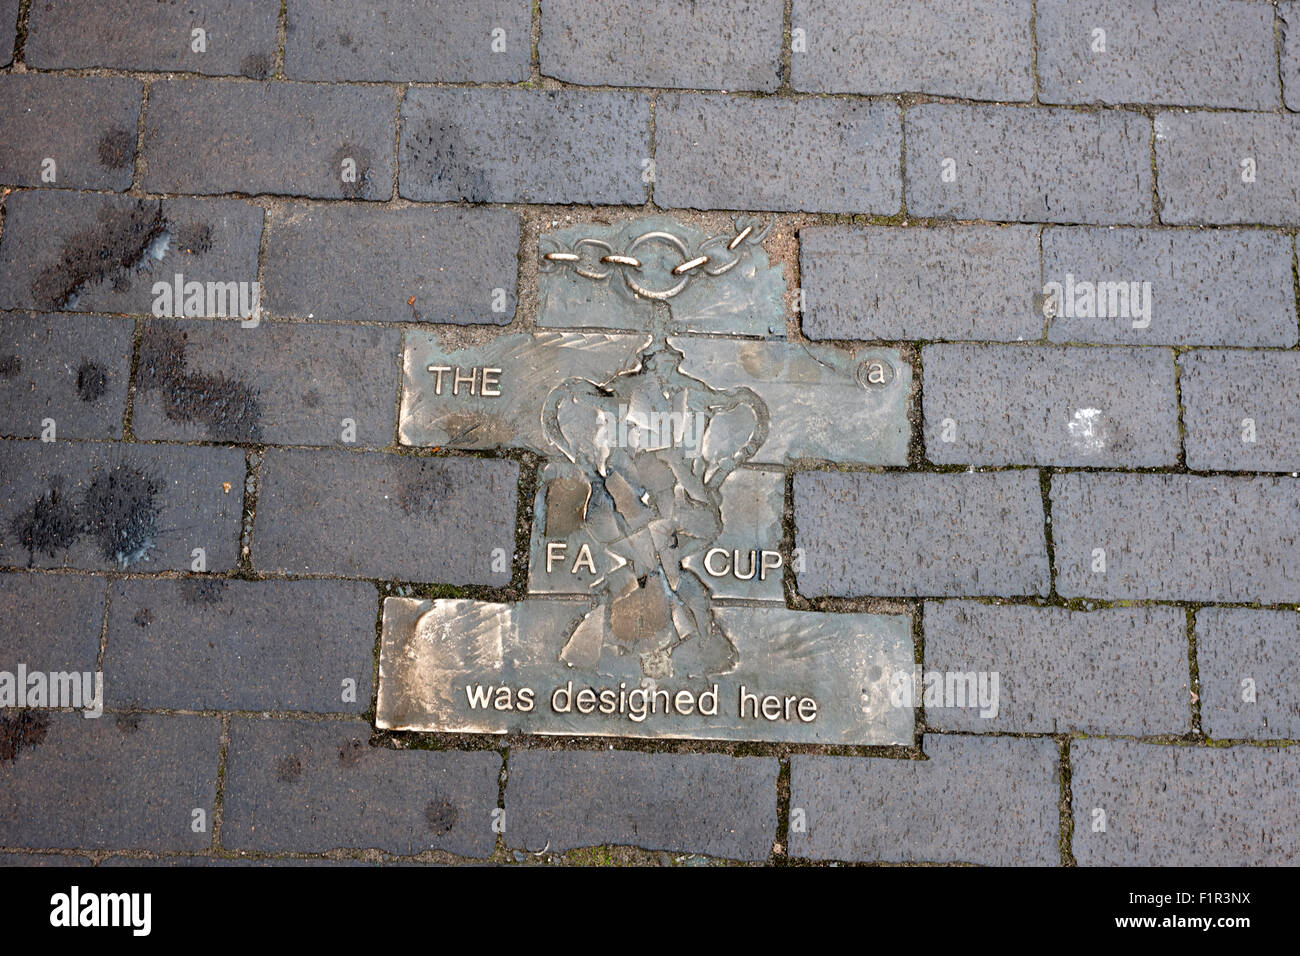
(734, 399)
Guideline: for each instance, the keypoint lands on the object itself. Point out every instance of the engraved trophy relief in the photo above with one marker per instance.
(660, 388)
(654, 446)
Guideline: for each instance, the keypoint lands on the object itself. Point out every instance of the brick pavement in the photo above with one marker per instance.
(1076, 218)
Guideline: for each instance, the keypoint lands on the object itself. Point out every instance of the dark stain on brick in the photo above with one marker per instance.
(202, 590)
(123, 242)
(117, 510)
(120, 513)
(10, 365)
(350, 752)
(92, 381)
(117, 148)
(362, 158)
(194, 238)
(49, 525)
(128, 723)
(289, 768)
(25, 729)
(143, 617)
(423, 489)
(256, 65)
(227, 407)
(441, 816)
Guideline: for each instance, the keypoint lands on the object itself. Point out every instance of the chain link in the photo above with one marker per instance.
(713, 257)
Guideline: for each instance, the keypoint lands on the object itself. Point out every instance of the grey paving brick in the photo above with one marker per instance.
(386, 516)
(308, 786)
(469, 145)
(864, 534)
(52, 621)
(1109, 671)
(693, 803)
(1028, 164)
(356, 263)
(93, 253)
(1239, 410)
(975, 49)
(85, 125)
(1176, 537)
(211, 644)
(986, 800)
(1249, 670)
(1200, 159)
(220, 136)
(115, 783)
(1289, 19)
(290, 384)
(72, 369)
(218, 862)
(729, 44)
(1046, 405)
(116, 506)
(815, 155)
(8, 30)
(43, 859)
(1218, 287)
(147, 35)
(890, 284)
(386, 40)
(1184, 806)
(1192, 53)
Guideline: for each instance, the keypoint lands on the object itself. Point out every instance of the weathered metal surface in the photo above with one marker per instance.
(660, 498)
(479, 667)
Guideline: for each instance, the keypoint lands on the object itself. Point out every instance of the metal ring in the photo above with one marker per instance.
(588, 273)
(725, 267)
(651, 293)
(740, 237)
(686, 267)
(630, 261)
